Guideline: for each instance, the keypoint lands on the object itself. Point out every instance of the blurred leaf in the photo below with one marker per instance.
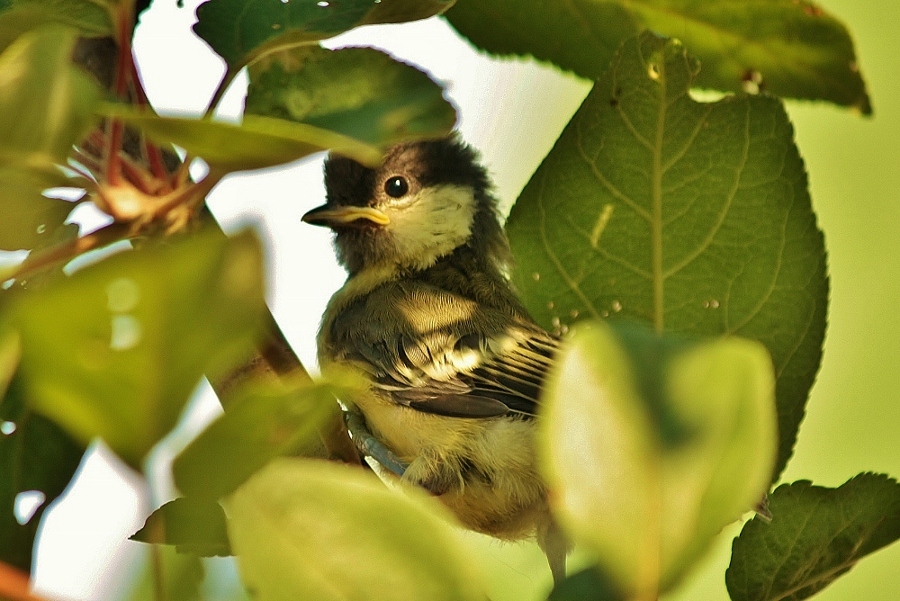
(116, 350)
(262, 423)
(586, 585)
(309, 529)
(816, 535)
(89, 18)
(46, 104)
(361, 93)
(651, 445)
(689, 216)
(257, 143)
(36, 456)
(241, 31)
(793, 47)
(192, 525)
(29, 217)
(182, 577)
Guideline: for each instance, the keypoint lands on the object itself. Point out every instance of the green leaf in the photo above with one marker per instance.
(116, 350)
(361, 93)
(241, 31)
(816, 534)
(586, 585)
(192, 525)
(36, 456)
(793, 47)
(262, 423)
(183, 577)
(651, 445)
(46, 104)
(287, 522)
(89, 18)
(690, 216)
(29, 217)
(257, 143)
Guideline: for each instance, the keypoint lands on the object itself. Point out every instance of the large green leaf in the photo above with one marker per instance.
(241, 31)
(651, 445)
(692, 217)
(788, 47)
(46, 104)
(310, 529)
(116, 350)
(257, 143)
(260, 424)
(89, 18)
(357, 92)
(816, 534)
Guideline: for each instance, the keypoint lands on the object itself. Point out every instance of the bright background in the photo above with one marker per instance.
(512, 111)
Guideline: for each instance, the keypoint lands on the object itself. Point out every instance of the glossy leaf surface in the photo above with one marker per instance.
(816, 535)
(360, 93)
(692, 217)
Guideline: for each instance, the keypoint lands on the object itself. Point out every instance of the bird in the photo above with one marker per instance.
(453, 361)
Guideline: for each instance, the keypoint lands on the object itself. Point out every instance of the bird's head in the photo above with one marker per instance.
(427, 200)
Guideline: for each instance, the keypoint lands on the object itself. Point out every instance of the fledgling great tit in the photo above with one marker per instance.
(427, 313)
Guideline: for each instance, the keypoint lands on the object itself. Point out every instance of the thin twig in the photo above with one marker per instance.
(66, 251)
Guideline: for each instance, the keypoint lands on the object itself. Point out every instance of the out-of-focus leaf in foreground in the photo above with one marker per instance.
(790, 48)
(256, 143)
(361, 93)
(37, 461)
(261, 423)
(115, 350)
(46, 104)
(29, 217)
(287, 521)
(88, 18)
(816, 534)
(652, 444)
(693, 217)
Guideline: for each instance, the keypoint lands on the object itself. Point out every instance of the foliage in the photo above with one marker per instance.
(671, 241)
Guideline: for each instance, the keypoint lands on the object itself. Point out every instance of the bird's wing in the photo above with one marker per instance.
(445, 355)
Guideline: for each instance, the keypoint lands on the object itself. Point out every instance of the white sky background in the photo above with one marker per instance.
(511, 111)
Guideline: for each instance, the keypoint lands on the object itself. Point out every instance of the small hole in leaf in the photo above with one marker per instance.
(26, 505)
(653, 71)
(7, 428)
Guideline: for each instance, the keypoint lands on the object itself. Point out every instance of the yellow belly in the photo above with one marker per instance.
(482, 469)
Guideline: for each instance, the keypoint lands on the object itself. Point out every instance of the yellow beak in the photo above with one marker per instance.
(329, 216)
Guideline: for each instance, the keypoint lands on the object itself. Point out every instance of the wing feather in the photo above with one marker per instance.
(438, 353)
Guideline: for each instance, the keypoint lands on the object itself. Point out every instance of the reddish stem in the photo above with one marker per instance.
(154, 156)
(115, 127)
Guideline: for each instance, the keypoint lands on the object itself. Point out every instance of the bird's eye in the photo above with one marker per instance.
(396, 186)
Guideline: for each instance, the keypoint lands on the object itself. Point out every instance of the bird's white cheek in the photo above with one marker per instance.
(431, 225)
